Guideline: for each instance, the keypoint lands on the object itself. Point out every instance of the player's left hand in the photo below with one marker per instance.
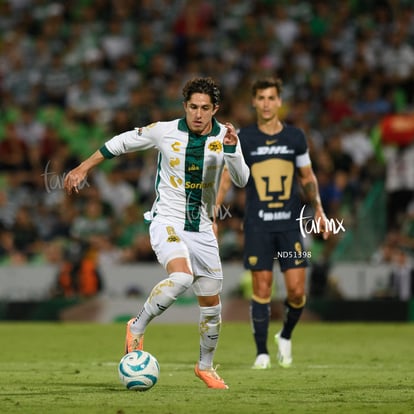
(231, 137)
(74, 179)
(321, 218)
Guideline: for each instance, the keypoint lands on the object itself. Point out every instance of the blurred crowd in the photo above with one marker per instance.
(74, 73)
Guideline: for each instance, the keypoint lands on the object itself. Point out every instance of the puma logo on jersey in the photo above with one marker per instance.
(275, 149)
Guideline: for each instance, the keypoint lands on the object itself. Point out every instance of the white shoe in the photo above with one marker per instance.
(262, 362)
(284, 353)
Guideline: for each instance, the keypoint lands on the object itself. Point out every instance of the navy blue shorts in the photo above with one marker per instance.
(261, 249)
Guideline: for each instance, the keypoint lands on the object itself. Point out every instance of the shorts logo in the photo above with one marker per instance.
(298, 249)
(215, 146)
(252, 260)
(172, 237)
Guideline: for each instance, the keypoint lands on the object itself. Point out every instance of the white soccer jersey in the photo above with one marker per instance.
(189, 169)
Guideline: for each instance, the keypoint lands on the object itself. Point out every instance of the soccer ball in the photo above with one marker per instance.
(138, 370)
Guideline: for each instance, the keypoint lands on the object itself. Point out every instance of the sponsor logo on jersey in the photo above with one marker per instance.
(175, 181)
(272, 150)
(215, 146)
(271, 141)
(174, 162)
(197, 186)
(274, 215)
(176, 146)
(193, 167)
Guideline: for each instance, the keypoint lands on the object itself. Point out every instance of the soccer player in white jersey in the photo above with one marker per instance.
(192, 153)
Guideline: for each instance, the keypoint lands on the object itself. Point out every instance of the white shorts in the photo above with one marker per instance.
(200, 249)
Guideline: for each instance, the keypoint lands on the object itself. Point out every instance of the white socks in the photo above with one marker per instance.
(162, 296)
(210, 324)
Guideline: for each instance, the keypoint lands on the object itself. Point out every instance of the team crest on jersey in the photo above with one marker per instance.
(172, 237)
(139, 131)
(215, 146)
(252, 260)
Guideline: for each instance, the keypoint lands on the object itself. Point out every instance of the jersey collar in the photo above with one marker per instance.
(215, 130)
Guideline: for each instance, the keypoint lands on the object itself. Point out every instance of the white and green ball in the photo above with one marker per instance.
(138, 370)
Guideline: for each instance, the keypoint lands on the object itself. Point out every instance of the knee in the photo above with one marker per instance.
(262, 284)
(211, 313)
(297, 299)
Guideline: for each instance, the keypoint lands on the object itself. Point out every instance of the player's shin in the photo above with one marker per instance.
(162, 296)
(260, 318)
(209, 328)
(292, 316)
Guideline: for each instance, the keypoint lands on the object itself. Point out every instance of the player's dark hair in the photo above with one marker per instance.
(267, 83)
(202, 85)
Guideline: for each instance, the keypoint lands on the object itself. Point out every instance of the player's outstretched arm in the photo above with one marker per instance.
(76, 176)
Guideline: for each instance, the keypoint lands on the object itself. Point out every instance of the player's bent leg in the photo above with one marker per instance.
(163, 295)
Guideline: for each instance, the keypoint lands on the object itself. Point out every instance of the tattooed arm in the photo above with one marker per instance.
(310, 187)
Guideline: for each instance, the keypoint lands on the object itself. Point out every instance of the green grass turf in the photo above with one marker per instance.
(338, 368)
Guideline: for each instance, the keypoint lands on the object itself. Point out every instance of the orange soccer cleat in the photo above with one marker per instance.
(133, 342)
(210, 377)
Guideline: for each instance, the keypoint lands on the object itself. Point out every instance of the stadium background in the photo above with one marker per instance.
(74, 73)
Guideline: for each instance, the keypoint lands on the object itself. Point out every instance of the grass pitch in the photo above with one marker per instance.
(338, 368)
